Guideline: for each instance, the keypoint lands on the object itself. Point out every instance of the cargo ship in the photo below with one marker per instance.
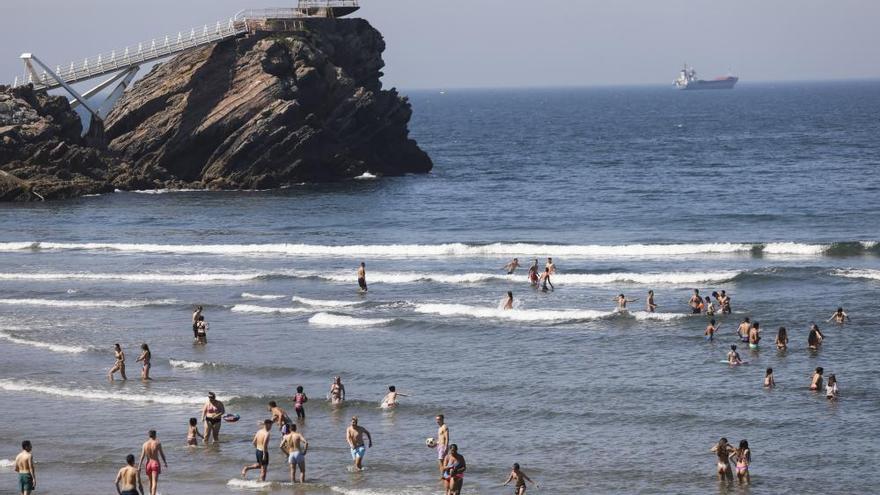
(687, 79)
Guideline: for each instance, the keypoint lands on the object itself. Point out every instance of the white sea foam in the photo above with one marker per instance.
(645, 315)
(71, 349)
(860, 273)
(187, 365)
(331, 320)
(376, 491)
(323, 303)
(163, 191)
(672, 278)
(193, 278)
(869, 244)
(87, 304)
(99, 395)
(250, 308)
(366, 176)
(794, 248)
(266, 297)
(7, 463)
(512, 314)
(250, 484)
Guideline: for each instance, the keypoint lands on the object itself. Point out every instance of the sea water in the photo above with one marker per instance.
(769, 192)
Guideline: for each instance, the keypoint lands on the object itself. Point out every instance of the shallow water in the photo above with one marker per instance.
(768, 192)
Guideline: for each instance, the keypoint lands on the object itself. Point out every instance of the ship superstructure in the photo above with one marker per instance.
(687, 79)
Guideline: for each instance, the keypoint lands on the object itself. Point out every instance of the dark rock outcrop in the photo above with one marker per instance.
(257, 112)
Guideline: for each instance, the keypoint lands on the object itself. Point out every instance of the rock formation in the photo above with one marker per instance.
(261, 111)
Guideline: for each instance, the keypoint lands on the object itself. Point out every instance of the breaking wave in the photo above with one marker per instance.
(866, 273)
(99, 395)
(321, 303)
(55, 303)
(192, 278)
(512, 314)
(265, 297)
(331, 320)
(250, 308)
(70, 349)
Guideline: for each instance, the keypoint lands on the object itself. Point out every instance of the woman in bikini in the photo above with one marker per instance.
(839, 317)
(814, 340)
(337, 391)
(212, 415)
(119, 365)
(743, 458)
(816, 381)
(145, 357)
(782, 339)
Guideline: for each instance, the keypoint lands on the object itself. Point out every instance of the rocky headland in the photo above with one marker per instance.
(257, 112)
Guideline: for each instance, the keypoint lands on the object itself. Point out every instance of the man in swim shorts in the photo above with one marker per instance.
(723, 450)
(24, 466)
(295, 446)
(279, 416)
(128, 479)
(550, 266)
(442, 440)
(362, 277)
(151, 451)
(453, 471)
(512, 266)
(696, 302)
(355, 437)
(261, 446)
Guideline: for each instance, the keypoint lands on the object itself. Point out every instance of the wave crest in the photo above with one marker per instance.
(331, 320)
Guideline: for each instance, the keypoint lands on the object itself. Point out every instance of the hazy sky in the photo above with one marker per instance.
(480, 43)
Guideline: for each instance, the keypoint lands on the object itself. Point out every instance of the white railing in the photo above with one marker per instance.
(272, 13)
(155, 49)
(313, 4)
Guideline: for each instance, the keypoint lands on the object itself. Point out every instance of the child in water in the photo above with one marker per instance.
(831, 387)
(298, 403)
(769, 382)
(519, 478)
(193, 433)
(711, 329)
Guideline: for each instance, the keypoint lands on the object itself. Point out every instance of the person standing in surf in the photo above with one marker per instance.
(815, 338)
(725, 303)
(512, 266)
(743, 459)
(742, 331)
(769, 381)
(723, 450)
(128, 479)
(299, 401)
(508, 303)
(782, 339)
(754, 335)
(816, 380)
(733, 357)
(390, 399)
(145, 358)
(279, 416)
(152, 451)
(261, 452)
(519, 478)
(831, 387)
(621, 301)
(696, 302)
(295, 446)
(354, 435)
(119, 365)
(839, 316)
(545, 280)
(24, 466)
(212, 415)
(442, 440)
(337, 391)
(550, 266)
(650, 306)
(362, 277)
(454, 468)
(533, 273)
(197, 313)
(711, 329)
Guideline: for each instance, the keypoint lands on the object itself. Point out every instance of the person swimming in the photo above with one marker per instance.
(390, 399)
(733, 357)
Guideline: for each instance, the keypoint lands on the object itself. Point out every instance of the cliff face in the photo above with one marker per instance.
(256, 112)
(268, 110)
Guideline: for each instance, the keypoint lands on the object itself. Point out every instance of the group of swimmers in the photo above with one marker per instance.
(145, 359)
(536, 277)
